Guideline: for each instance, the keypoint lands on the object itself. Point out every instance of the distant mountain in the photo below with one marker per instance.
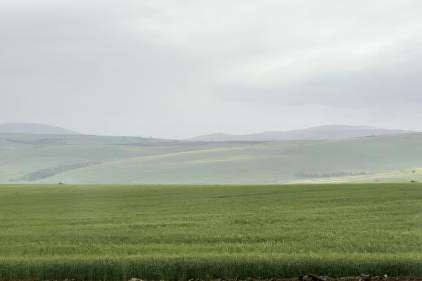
(330, 132)
(33, 128)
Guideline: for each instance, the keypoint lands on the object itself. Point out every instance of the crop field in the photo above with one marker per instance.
(115, 232)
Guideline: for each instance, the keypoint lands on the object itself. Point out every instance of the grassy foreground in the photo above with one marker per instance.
(182, 232)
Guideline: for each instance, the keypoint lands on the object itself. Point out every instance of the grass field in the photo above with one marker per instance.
(183, 232)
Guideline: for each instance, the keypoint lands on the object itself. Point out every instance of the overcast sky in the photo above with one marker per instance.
(184, 68)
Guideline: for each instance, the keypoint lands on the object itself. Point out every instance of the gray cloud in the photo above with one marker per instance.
(176, 69)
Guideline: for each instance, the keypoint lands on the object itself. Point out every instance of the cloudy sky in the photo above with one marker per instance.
(183, 68)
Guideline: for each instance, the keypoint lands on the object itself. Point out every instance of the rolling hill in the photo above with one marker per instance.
(29, 158)
(33, 128)
(314, 133)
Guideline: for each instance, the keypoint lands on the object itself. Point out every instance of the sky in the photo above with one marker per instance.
(177, 69)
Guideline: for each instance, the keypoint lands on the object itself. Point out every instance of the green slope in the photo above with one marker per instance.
(398, 176)
(90, 159)
(23, 158)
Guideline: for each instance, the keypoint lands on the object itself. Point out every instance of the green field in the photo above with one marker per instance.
(182, 232)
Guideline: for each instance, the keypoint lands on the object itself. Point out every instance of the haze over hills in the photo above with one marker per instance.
(328, 132)
(314, 133)
(33, 128)
(39, 157)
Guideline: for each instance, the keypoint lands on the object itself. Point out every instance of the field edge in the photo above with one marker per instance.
(201, 269)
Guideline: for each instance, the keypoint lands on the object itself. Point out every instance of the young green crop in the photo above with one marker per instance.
(116, 232)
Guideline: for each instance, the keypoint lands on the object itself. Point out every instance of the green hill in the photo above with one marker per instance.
(99, 159)
(33, 128)
(331, 132)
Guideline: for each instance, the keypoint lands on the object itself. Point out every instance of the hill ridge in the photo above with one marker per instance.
(325, 132)
(33, 128)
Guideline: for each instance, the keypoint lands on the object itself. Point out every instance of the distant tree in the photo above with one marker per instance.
(414, 173)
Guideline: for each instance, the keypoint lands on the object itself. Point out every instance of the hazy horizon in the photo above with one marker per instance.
(21, 125)
(172, 70)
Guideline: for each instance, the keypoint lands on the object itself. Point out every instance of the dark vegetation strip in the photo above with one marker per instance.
(187, 269)
(49, 172)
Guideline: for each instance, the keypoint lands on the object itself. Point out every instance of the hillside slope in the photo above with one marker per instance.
(29, 157)
(330, 132)
(93, 159)
(33, 128)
